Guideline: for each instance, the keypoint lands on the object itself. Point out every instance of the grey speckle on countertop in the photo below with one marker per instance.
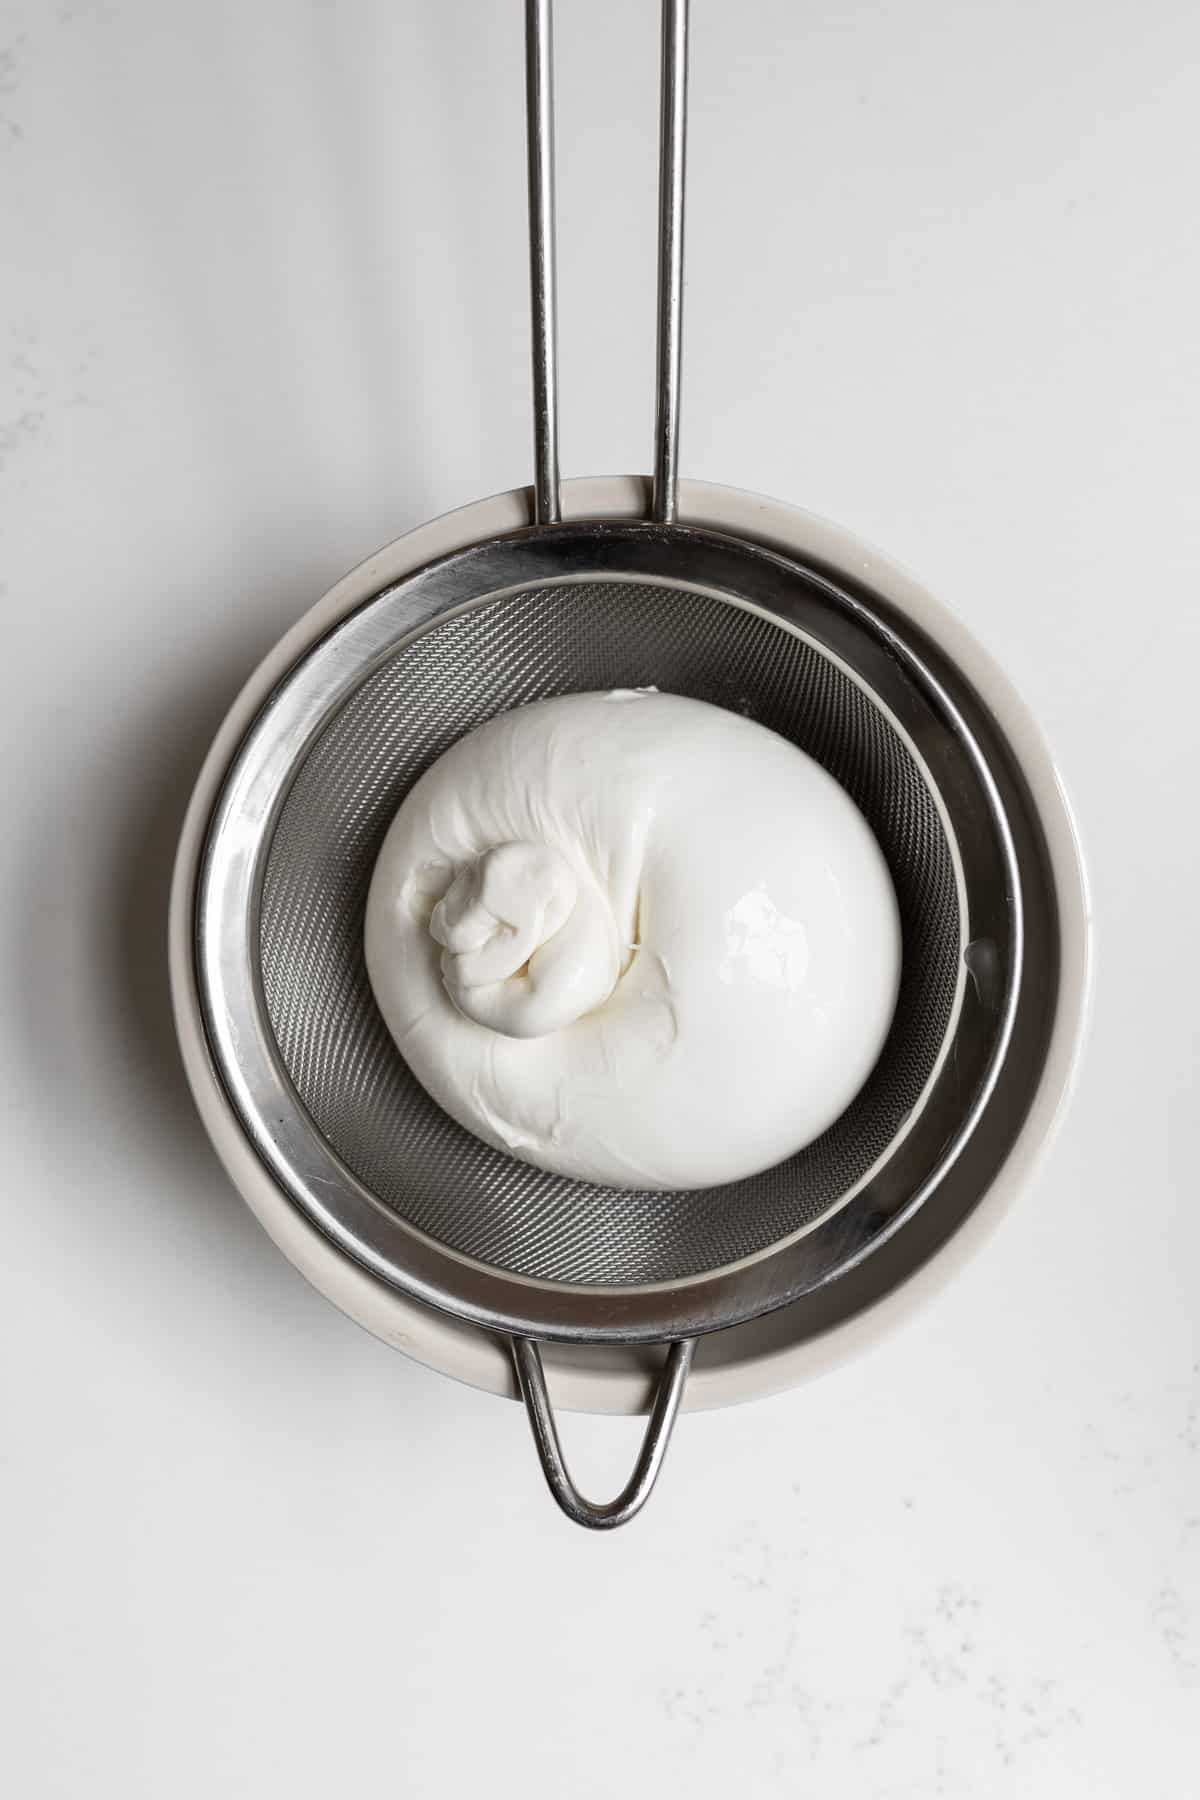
(14, 66)
(759, 1661)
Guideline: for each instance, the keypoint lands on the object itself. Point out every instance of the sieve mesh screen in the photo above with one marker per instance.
(558, 639)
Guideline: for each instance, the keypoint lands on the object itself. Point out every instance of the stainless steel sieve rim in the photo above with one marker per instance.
(239, 1028)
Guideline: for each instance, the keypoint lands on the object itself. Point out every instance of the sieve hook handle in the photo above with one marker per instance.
(539, 135)
(601, 1516)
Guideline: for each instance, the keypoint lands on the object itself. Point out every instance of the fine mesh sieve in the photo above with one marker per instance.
(305, 1059)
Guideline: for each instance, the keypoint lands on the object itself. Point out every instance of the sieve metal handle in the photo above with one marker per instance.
(601, 1516)
(539, 133)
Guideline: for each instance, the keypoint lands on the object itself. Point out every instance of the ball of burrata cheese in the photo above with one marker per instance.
(634, 939)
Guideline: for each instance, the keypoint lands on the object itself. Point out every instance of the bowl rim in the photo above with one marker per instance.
(746, 1361)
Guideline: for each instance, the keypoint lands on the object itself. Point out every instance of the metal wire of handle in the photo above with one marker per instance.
(671, 170)
(539, 128)
(543, 286)
(601, 1516)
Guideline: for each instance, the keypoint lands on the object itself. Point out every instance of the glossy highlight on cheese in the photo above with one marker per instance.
(635, 939)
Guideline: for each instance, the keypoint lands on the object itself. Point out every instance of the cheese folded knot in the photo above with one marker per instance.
(529, 944)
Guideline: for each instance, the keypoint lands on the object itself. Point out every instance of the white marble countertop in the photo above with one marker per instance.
(264, 308)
